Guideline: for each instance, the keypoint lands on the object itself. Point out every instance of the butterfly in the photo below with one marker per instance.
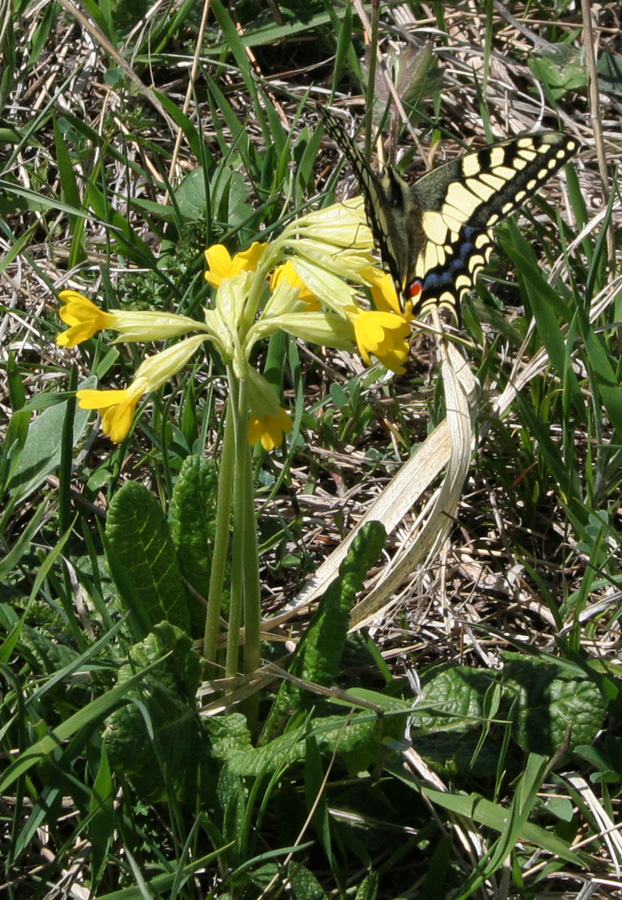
(435, 235)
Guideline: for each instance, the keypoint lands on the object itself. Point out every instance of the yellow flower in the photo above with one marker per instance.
(382, 334)
(152, 373)
(86, 319)
(83, 317)
(287, 272)
(220, 265)
(267, 421)
(384, 295)
(270, 430)
(116, 407)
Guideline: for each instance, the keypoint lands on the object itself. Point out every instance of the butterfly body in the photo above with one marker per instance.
(436, 235)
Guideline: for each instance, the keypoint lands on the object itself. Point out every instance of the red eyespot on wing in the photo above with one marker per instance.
(414, 290)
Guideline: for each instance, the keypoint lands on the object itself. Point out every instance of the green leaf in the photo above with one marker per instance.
(304, 884)
(552, 697)
(193, 526)
(70, 194)
(122, 235)
(158, 742)
(231, 795)
(368, 888)
(543, 696)
(546, 304)
(476, 808)
(560, 69)
(359, 739)
(317, 656)
(609, 68)
(229, 734)
(605, 381)
(102, 816)
(42, 449)
(17, 394)
(49, 743)
(142, 559)
(315, 794)
(453, 700)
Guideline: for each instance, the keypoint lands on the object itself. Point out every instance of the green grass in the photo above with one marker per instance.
(131, 767)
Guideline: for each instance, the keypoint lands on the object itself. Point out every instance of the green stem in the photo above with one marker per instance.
(237, 391)
(245, 584)
(221, 543)
(252, 588)
(370, 89)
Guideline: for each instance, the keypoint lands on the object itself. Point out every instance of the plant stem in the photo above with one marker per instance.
(221, 543)
(237, 542)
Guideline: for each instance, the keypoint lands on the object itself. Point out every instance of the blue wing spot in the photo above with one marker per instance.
(445, 275)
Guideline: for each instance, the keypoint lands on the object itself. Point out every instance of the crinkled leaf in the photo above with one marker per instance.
(552, 697)
(542, 696)
(368, 888)
(159, 742)
(463, 755)
(359, 741)
(453, 699)
(304, 884)
(232, 799)
(229, 734)
(193, 524)
(143, 562)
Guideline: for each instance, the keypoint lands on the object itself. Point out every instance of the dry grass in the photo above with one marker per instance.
(514, 568)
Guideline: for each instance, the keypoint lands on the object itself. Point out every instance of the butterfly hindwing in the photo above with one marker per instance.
(435, 235)
(461, 201)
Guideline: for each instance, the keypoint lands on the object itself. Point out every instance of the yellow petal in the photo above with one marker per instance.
(220, 265)
(83, 317)
(269, 429)
(117, 407)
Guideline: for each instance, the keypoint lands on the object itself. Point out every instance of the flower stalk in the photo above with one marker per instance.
(221, 545)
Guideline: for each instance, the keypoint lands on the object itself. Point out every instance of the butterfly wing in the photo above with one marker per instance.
(384, 204)
(436, 235)
(457, 205)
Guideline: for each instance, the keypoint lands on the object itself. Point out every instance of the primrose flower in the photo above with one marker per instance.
(382, 334)
(118, 406)
(382, 289)
(220, 265)
(85, 319)
(270, 430)
(383, 293)
(317, 265)
(268, 422)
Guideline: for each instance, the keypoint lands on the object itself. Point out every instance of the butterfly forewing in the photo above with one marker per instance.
(435, 235)
(380, 205)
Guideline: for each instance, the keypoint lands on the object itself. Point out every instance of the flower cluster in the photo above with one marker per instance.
(304, 283)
